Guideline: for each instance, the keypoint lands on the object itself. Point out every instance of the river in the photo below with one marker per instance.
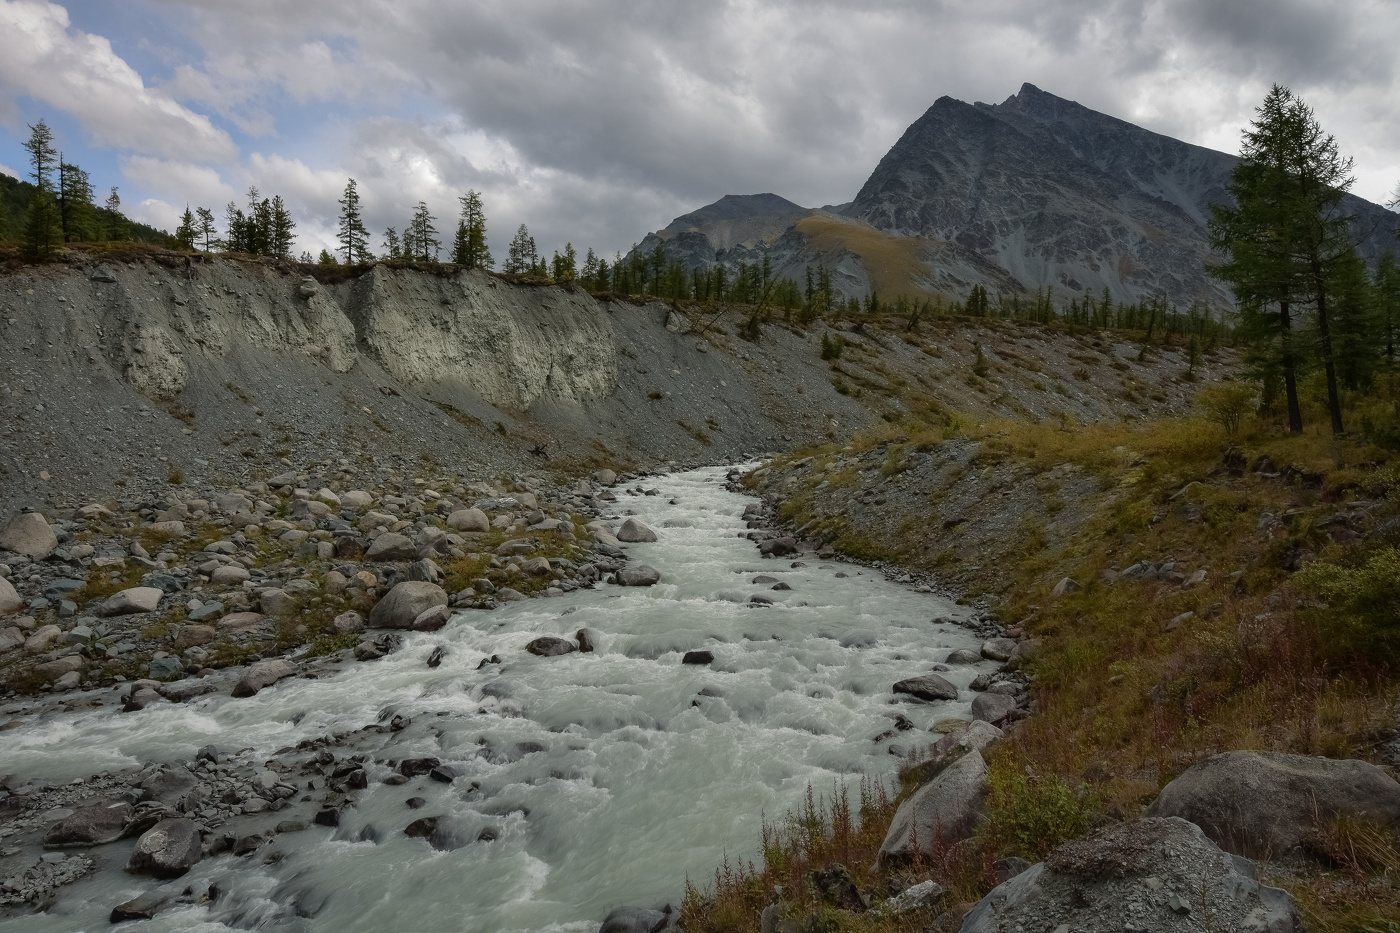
(607, 778)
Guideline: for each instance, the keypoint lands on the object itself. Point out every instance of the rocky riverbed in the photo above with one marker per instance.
(483, 735)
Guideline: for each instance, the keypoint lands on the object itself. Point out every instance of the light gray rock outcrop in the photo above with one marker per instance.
(1151, 875)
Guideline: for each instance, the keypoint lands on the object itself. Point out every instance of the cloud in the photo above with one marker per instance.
(79, 73)
(6, 170)
(200, 185)
(597, 121)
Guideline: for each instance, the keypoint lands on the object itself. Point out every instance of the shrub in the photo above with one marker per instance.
(1029, 816)
(1361, 598)
(832, 345)
(1226, 403)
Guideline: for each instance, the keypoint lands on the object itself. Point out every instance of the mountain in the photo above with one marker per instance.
(1063, 196)
(1034, 192)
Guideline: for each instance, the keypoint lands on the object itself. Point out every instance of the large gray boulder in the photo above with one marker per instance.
(1269, 805)
(262, 674)
(640, 575)
(133, 600)
(927, 687)
(944, 810)
(469, 520)
(90, 826)
(635, 920)
(167, 850)
(1151, 875)
(28, 534)
(406, 602)
(634, 532)
(992, 707)
(391, 546)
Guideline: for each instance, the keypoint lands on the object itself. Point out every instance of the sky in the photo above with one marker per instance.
(595, 121)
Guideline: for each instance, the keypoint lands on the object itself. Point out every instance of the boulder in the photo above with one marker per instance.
(1150, 875)
(550, 646)
(90, 826)
(998, 649)
(167, 850)
(406, 602)
(133, 600)
(699, 656)
(263, 674)
(640, 575)
(634, 919)
(356, 498)
(469, 520)
(963, 656)
(1066, 586)
(348, 623)
(43, 639)
(944, 810)
(992, 707)
(141, 907)
(778, 547)
(28, 534)
(10, 639)
(53, 670)
(634, 532)
(229, 575)
(182, 691)
(169, 785)
(192, 636)
(927, 687)
(432, 619)
(9, 599)
(391, 546)
(604, 477)
(1270, 805)
(276, 601)
(238, 622)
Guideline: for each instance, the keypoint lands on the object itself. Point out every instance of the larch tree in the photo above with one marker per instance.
(469, 249)
(353, 237)
(188, 231)
(75, 202)
(207, 231)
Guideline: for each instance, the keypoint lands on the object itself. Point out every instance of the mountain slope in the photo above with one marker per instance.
(1063, 196)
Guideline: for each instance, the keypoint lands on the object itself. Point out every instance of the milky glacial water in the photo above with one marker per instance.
(642, 780)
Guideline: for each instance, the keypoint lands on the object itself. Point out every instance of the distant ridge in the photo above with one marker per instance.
(1035, 192)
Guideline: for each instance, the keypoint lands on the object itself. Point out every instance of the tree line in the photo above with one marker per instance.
(58, 205)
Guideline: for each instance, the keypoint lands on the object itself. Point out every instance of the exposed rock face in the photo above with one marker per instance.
(1060, 195)
(1151, 875)
(1268, 805)
(468, 330)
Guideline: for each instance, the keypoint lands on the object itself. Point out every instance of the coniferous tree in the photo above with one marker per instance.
(392, 248)
(42, 155)
(1386, 292)
(117, 226)
(564, 265)
(326, 259)
(521, 257)
(186, 233)
(589, 273)
(75, 202)
(306, 258)
(603, 278)
(280, 229)
(353, 237)
(205, 229)
(469, 249)
(43, 228)
(422, 236)
(236, 239)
